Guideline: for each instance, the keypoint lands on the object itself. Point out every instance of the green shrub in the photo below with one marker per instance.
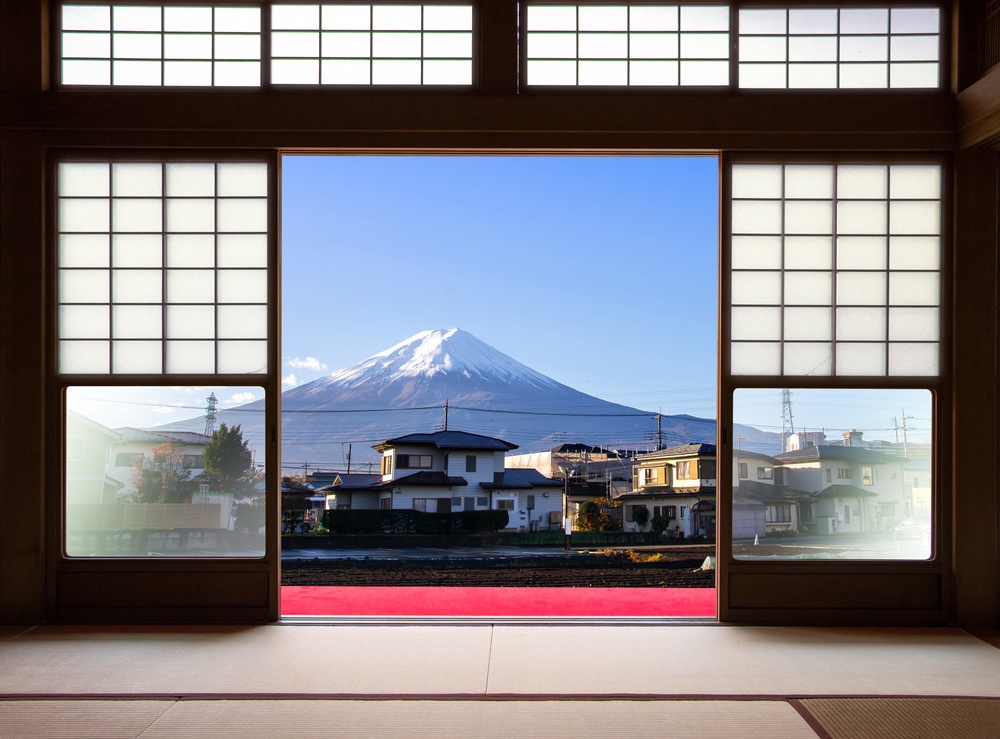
(403, 522)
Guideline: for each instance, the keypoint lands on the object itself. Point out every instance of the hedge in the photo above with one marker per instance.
(402, 522)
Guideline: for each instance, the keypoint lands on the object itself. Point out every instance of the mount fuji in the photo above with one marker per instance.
(450, 376)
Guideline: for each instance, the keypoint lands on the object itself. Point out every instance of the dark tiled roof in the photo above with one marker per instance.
(668, 492)
(523, 479)
(449, 440)
(856, 454)
(762, 491)
(427, 478)
(844, 491)
(683, 450)
(356, 480)
(130, 433)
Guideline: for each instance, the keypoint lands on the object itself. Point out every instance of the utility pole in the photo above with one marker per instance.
(659, 432)
(906, 454)
(445, 415)
(349, 447)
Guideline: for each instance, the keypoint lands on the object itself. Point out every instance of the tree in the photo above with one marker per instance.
(228, 461)
(163, 477)
(659, 524)
(640, 514)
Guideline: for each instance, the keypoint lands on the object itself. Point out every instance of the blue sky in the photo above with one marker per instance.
(597, 271)
(600, 272)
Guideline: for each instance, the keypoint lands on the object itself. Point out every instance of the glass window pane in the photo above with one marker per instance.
(855, 482)
(141, 491)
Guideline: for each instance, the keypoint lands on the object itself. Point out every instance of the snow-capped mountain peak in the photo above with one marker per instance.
(448, 352)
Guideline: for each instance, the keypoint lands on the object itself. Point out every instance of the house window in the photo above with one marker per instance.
(683, 512)
(350, 44)
(867, 476)
(741, 470)
(386, 465)
(160, 45)
(203, 487)
(706, 468)
(887, 510)
(829, 475)
(684, 471)
(420, 504)
(649, 476)
(839, 48)
(505, 504)
(627, 45)
(778, 514)
(843, 473)
(470, 463)
(193, 461)
(413, 461)
(385, 504)
(765, 473)
(127, 459)
(630, 512)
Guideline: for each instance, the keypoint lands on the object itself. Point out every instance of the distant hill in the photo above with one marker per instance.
(405, 388)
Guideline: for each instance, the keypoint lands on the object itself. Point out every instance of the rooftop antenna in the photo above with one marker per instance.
(210, 414)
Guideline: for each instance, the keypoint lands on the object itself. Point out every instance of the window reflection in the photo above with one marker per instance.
(854, 481)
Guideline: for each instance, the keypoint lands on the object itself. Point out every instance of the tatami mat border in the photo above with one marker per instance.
(492, 697)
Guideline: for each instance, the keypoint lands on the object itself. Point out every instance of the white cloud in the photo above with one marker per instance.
(167, 408)
(309, 363)
(290, 381)
(240, 398)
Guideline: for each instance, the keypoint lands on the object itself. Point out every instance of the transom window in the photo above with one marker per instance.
(630, 45)
(162, 267)
(413, 461)
(371, 44)
(836, 269)
(854, 47)
(169, 46)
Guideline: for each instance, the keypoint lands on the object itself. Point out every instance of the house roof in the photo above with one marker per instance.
(853, 453)
(669, 492)
(521, 479)
(739, 454)
(682, 450)
(130, 433)
(448, 440)
(425, 478)
(351, 481)
(752, 489)
(844, 491)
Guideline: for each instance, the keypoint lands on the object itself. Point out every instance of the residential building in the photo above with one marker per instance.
(89, 448)
(758, 483)
(853, 490)
(606, 472)
(458, 471)
(677, 483)
(135, 444)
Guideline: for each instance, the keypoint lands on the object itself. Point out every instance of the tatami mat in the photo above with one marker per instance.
(743, 661)
(247, 660)
(905, 718)
(501, 660)
(432, 719)
(79, 719)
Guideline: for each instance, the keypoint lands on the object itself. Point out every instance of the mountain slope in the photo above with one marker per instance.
(407, 387)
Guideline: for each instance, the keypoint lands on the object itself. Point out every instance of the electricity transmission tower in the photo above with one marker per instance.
(787, 424)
